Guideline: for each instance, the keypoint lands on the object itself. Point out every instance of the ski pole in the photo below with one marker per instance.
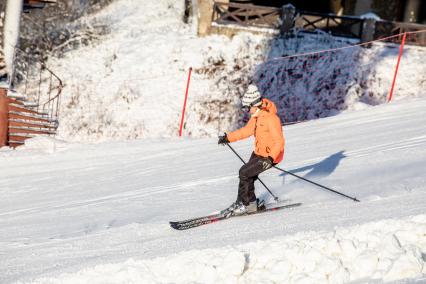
(317, 184)
(275, 198)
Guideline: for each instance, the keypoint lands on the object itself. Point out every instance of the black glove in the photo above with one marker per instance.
(223, 140)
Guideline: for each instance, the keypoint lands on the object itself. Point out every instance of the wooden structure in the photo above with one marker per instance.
(249, 15)
(387, 28)
(36, 4)
(345, 26)
(19, 122)
(35, 111)
(246, 15)
(4, 117)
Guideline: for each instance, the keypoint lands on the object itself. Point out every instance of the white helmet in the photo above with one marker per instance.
(252, 97)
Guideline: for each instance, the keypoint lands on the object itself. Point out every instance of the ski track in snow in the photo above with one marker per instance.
(124, 196)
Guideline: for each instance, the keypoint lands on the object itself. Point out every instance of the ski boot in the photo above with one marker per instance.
(260, 205)
(235, 209)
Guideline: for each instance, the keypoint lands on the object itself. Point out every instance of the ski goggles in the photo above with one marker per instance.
(254, 103)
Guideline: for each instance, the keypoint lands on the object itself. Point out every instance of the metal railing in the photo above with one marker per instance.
(39, 84)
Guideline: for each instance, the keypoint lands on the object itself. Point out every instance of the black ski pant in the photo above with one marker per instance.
(248, 175)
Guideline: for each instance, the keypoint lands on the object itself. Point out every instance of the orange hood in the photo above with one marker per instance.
(269, 106)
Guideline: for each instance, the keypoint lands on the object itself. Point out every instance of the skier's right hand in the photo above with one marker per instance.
(223, 140)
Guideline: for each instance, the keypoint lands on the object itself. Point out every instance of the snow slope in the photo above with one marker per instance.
(98, 213)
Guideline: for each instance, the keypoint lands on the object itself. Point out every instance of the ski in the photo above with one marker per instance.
(220, 213)
(196, 222)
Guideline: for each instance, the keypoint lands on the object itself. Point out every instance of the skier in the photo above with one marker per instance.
(266, 127)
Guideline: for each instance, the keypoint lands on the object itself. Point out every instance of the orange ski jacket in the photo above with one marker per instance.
(266, 127)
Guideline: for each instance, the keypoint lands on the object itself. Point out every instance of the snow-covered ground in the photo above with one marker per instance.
(132, 83)
(98, 213)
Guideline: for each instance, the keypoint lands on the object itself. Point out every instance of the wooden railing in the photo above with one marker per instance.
(387, 28)
(36, 4)
(246, 15)
(344, 26)
(249, 15)
(269, 17)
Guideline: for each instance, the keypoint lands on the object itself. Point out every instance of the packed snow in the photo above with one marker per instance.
(96, 213)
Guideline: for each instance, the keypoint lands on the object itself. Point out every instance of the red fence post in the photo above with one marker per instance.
(401, 49)
(184, 104)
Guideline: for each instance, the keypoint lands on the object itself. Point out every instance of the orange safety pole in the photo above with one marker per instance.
(4, 117)
(184, 104)
(401, 49)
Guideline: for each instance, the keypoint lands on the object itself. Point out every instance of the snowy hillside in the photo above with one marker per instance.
(130, 83)
(98, 213)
